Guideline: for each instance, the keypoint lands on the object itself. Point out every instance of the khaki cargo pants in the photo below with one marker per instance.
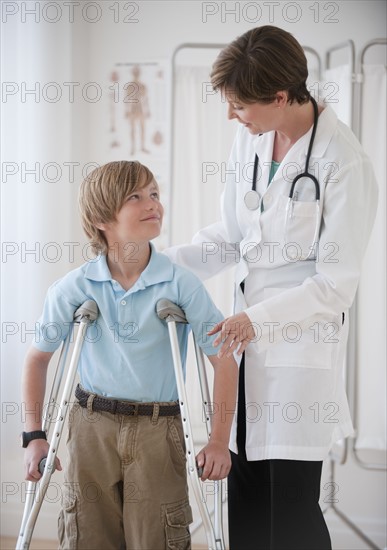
(125, 484)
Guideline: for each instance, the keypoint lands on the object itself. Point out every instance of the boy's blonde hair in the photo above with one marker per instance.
(103, 192)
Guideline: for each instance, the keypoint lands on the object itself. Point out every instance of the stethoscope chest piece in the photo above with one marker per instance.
(252, 200)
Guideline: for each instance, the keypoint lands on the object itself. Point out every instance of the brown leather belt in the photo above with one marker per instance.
(124, 407)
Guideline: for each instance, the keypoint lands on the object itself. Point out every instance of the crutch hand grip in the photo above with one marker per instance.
(42, 465)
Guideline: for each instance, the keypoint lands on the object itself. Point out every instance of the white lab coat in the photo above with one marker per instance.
(296, 406)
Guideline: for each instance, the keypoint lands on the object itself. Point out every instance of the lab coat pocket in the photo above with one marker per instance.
(296, 227)
(311, 344)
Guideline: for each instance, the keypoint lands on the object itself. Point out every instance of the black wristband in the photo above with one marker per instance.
(27, 437)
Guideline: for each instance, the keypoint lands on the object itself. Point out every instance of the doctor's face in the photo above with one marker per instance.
(258, 118)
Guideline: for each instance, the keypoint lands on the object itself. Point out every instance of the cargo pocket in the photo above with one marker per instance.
(178, 517)
(67, 523)
(176, 436)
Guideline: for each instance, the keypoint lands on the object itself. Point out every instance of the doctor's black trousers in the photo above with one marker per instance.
(273, 504)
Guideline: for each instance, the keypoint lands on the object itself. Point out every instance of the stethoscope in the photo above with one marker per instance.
(253, 200)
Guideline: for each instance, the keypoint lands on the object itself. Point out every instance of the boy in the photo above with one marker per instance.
(134, 462)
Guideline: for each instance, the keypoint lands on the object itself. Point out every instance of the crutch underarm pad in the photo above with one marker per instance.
(170, 312)
(88, 310)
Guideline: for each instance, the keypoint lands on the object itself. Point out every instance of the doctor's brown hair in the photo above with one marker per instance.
(260, 63)
(103, 192)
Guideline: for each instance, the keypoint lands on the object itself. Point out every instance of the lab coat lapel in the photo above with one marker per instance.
(294, 161)
(264, 149)
(292, 164)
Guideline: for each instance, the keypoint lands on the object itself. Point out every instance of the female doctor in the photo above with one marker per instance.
(297, 211)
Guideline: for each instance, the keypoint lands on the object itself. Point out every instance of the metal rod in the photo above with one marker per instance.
(84, 315)
(352, 356)
(343, 517)
(208, 412)
(355, 411)
(347, 44)
(183, 402)
(351, 46)
(47, 417)
(27, 531)
(187, 45)
(315, 53)
(360, 71)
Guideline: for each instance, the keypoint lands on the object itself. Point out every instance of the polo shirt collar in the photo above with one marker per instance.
(158, 270)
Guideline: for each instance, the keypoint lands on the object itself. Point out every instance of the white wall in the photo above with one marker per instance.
(75, 49)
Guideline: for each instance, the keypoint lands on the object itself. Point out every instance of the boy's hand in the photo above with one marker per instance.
(215, 460)
(34, 453)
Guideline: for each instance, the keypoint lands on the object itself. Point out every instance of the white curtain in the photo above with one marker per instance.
(37, 219)
(372, 329)
(336, 89)
(203, 139)
(371, 296)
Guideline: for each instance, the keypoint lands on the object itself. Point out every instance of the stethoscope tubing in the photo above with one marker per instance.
(253, 200)
(304, 174)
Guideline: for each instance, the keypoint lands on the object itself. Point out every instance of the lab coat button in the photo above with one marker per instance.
(123, 302)
(268, 198)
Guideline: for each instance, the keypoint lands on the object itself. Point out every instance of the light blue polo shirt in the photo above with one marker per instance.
(127, 352)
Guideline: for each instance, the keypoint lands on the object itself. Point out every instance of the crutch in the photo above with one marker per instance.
(173, 314)
(84, 315)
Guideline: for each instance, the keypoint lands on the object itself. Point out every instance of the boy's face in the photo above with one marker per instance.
(139, 219)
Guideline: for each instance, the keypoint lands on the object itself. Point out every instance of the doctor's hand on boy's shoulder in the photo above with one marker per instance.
(34, 453)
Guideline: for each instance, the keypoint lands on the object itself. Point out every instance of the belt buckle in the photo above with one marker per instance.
(135, 408)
